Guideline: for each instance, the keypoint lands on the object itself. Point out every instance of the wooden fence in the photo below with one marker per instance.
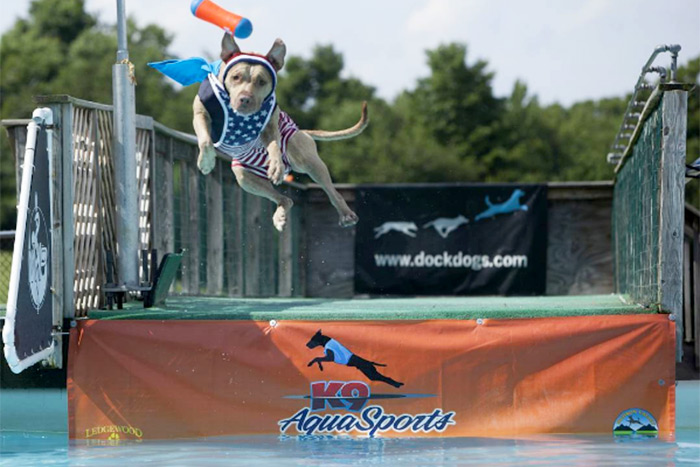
(231, 246)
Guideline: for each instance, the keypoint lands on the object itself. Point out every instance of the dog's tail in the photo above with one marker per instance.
(359, 127)
(377, 364)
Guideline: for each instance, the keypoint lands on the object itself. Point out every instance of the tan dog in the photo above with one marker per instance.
(249, 86)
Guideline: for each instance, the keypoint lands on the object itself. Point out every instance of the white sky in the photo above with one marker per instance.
(564, 50)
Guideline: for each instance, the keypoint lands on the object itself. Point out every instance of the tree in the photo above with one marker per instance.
(61, 49)
(690, 73)
(456, 101)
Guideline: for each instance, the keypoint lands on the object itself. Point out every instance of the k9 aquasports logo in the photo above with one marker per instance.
(352, 398)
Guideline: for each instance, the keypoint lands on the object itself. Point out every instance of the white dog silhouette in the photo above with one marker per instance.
(406, 228)
(445, 225)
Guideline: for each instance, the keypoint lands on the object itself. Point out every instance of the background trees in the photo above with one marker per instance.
(448, 127)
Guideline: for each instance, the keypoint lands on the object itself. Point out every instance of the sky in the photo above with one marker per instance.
(565, 51)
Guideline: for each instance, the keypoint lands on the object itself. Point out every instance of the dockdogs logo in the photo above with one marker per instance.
(352, 397)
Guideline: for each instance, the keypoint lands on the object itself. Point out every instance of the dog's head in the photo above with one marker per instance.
(249, 78)
(316, 340)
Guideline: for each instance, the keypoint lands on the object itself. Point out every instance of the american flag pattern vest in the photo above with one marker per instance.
(239, 136)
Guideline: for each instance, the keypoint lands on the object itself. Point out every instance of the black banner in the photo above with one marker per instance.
(475, 239)
(34, 313)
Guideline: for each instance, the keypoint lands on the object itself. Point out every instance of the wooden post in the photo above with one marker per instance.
(285, 260)
(687, 288)
(215, 234)
(65, 150)
(232, 226)
(100, 278)
(184, 227)
(670, 262)
(57, 269)
(252, 211)
(696, 292)
(300, 251)
(152, 204)
(192, 218)
(162, 198)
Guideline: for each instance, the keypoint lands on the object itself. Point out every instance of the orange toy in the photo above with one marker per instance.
(213, 13)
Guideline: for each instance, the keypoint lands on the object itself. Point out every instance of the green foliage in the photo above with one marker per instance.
(691, 74)
(61, 49)
(449, 127)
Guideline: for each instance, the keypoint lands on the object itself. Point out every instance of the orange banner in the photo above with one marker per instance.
(132, 380)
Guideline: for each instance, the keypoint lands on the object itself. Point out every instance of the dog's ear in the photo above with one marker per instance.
(277, 53)
(228, 47)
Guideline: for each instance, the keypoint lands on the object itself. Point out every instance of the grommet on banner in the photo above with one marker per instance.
(672, 317)
(271, 325)
(480, 321)
(661, 382)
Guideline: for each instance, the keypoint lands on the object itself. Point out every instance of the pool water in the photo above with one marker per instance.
(25, 449)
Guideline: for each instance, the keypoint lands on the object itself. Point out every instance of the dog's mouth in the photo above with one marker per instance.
(245, 105)
(245, 110)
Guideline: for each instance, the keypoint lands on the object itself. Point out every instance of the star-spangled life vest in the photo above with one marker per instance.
(232, 133)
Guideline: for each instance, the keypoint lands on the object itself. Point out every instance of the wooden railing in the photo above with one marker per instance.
(231, 246)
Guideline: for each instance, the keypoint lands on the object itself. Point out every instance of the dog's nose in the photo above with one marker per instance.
(244, 100)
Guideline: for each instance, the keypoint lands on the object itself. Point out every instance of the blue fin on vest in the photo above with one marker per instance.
(187, 71)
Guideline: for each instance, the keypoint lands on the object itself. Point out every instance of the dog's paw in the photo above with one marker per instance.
(348, 219)
(275, 171)
(279, 218)
(207, 158)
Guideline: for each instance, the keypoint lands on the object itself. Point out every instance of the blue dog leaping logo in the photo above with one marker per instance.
(512, 205)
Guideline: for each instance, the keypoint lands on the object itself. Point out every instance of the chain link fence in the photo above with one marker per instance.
(7, 242)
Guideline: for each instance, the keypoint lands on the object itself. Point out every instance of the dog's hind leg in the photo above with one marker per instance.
(261, 187)
(368, 369)
(304, 158)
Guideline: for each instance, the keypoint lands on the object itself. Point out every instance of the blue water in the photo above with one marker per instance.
(23, 449)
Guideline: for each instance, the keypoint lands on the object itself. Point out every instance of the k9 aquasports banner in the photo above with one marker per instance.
(467, 239)
(138, 380)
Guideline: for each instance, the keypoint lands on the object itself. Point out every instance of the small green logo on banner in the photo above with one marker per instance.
(636, 423)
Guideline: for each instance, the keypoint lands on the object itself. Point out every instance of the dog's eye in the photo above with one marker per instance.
(261, 82)
(236, 77)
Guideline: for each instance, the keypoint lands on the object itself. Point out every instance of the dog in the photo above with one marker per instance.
(406, 228)
(444, 226)
(236, 113)
(511, 205)
(338, 353)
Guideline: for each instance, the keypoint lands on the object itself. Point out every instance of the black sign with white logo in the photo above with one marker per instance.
(34, 317)
(451, 239)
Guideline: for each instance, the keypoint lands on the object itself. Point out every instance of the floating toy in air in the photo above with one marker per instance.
(212, 13)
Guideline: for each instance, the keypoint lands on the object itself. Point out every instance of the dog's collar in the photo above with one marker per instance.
(251, 58)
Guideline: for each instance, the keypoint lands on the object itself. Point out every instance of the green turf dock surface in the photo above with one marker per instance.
(214, 308)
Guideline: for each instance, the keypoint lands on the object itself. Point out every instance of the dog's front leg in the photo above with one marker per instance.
(271, 138)
(202, 124)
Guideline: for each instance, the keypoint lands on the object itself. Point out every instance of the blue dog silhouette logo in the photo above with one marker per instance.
(511, 205)
(335, 352)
